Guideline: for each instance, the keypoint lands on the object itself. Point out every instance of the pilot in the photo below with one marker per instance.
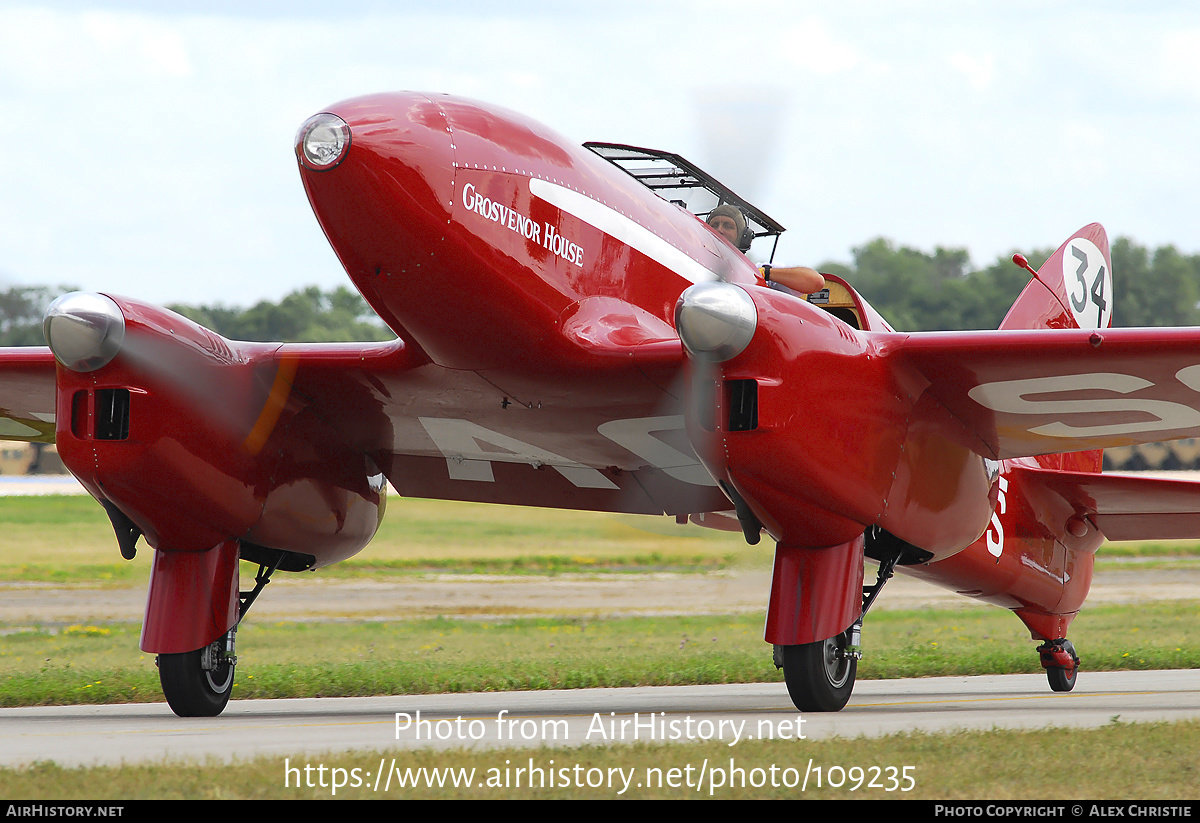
(729, 222)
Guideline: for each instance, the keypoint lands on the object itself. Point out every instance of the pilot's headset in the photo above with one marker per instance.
(745, 233)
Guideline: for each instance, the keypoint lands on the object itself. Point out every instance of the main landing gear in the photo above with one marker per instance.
(820, 676)
(198, 683)
(1061, 664)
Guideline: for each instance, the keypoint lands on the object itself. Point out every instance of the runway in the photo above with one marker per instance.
(130, 733)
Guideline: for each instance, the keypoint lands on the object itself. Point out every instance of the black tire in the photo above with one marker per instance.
(818, 678)
(1062, 680)
(190, 690)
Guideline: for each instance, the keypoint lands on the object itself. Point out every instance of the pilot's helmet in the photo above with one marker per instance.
(734, 213)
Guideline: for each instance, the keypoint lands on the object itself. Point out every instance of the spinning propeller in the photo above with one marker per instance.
(716, 322)
(158, 349)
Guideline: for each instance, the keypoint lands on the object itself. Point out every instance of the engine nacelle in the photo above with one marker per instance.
(202, 445)
(823, 434)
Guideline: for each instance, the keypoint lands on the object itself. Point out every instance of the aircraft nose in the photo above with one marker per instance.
(380, 147)
(379, 173)
(85, 331)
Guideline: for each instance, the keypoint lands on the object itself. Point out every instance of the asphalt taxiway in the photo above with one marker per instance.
(131, 733)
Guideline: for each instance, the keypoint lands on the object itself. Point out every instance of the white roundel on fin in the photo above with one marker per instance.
(1088, 283)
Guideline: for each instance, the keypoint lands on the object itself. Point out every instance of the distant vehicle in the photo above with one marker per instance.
(568, 337)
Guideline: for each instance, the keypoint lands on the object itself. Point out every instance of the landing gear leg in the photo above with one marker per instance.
(198, 683)
(1061, 664)
(820, 676)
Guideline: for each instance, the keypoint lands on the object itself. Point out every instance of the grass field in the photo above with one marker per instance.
(71, 541)
(1117, 761)
(102, 664)
(68, 539)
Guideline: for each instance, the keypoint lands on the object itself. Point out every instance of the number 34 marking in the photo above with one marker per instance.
(1088, 283)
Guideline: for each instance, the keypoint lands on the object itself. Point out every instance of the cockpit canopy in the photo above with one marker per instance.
(688, 186)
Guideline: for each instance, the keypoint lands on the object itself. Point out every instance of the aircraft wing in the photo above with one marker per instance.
(1126, 507)
(1043, 391)
(463, 435)
(454, 433)
(27, 394)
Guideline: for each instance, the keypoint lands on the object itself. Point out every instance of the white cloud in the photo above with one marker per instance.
(979, 69)
(157, 146)
(1180, 63)
(810, 45)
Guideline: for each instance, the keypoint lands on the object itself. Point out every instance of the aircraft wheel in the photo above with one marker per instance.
(190, 689)
(818, 678)
(1062, 679)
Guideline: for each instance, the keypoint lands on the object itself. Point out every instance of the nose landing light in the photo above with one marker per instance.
(85, 331)
(322, 141)
(716, 321)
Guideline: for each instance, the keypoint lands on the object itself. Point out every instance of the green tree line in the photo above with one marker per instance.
(920, 291)
(304, 316)
(915, 290)
(307, 315)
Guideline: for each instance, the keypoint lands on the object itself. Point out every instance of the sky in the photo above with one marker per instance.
(148, 146)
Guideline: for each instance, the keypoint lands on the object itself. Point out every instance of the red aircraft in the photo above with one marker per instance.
(571, 333)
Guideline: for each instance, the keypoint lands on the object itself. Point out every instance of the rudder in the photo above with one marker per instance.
(1072, 290)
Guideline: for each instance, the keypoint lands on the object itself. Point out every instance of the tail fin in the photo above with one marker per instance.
(1072, 290)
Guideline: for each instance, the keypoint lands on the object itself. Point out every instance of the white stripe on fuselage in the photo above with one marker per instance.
(622, 228)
